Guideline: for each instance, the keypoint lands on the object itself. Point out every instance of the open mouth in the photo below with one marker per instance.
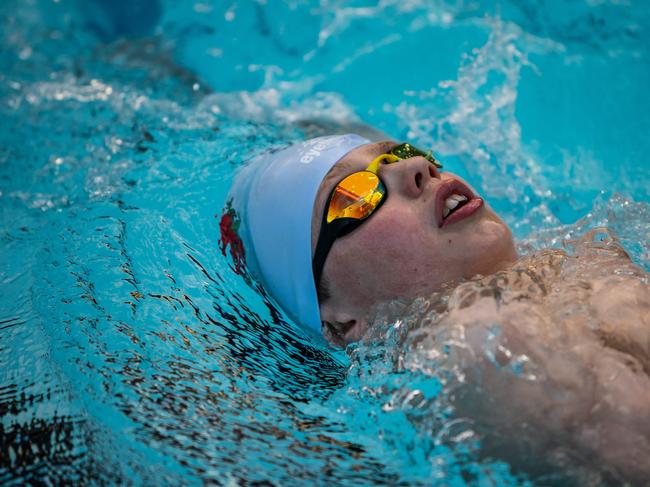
(455, 202)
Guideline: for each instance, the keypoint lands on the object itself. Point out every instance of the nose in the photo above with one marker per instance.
(410, 176)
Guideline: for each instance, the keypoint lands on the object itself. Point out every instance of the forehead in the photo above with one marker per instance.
(355, 160)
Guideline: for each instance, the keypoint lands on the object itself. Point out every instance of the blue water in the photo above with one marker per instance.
(130, 352)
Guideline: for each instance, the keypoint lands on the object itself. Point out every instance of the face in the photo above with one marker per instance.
(407, 247)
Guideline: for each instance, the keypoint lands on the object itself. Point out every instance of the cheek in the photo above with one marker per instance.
(392, 236)
(392, 255)
(398, 236)
(398, 253)
(482, 247)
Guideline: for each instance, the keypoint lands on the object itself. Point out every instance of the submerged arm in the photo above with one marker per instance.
(538, 388)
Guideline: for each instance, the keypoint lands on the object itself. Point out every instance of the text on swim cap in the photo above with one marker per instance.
(312, 152)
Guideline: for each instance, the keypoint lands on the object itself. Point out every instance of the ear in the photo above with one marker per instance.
(341, 327)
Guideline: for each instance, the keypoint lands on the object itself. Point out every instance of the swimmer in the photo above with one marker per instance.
(335, 226)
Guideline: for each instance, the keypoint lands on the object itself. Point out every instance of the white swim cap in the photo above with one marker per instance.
(267, 220)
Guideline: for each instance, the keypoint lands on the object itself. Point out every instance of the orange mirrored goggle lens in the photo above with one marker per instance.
(357, 196)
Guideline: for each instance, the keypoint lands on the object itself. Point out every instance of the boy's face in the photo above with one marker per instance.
(401, 251)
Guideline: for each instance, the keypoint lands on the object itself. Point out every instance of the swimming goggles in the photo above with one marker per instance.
(354, 199)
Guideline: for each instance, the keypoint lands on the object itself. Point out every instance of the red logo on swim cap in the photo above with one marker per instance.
(228, 226)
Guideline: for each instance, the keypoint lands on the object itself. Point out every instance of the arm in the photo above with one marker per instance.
(543, 391)
(622, 307)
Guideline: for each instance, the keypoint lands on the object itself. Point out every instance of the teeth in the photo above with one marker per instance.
(451, 203)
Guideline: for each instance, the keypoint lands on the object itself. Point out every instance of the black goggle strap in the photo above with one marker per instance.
(329, 232)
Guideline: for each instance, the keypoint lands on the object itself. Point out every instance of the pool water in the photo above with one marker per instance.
(129, 350)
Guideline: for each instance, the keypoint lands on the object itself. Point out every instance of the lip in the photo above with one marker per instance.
(446, 189)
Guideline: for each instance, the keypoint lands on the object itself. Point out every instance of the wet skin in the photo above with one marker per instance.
(402, 251)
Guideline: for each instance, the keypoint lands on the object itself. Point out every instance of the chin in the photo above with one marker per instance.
(497, 248)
